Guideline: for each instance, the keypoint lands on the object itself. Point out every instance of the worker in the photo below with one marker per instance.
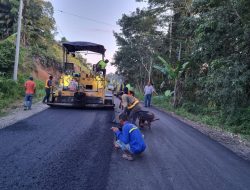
(30, 89)
(148, 91)
(73, 85)
(131, 93)
(66, 80)
(48, 87)
(131, 106)
(129, 87)
(129, 139)
(101, 66)
(124, 88)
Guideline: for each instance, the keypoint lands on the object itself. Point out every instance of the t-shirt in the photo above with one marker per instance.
(127, 100)
(30, 87)
(149, 89)
(102, 64)
(73, 85)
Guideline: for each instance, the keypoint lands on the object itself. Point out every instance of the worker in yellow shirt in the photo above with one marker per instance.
(101, 66)
(48, 87)
(131, 106)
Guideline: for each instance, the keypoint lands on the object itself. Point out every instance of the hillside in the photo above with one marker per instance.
(40, 54)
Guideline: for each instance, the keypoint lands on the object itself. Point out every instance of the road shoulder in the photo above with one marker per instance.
(18, 114)
(234, 142)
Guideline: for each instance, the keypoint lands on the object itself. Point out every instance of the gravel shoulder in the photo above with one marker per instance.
(18, 114)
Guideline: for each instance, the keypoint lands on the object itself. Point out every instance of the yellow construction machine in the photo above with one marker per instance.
(78, 88)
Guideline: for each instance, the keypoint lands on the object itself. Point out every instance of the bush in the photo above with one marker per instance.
(11, 91)
(7, 56)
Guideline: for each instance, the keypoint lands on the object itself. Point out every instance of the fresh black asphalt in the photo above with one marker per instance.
(64, 149)
(57, 149)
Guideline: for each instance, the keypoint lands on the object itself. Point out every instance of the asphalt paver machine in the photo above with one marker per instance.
(90, 89)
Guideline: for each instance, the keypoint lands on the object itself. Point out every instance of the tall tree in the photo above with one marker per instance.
(8, 17)
(138, 43)
(213, 37)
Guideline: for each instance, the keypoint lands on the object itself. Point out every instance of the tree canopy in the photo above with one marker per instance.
(212, 36)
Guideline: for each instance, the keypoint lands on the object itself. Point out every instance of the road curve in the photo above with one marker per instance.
(72, 149)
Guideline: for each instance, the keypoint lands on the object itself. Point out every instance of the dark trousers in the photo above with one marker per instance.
(46, 97)
(103, 71)
(133, 113)
(147, 100)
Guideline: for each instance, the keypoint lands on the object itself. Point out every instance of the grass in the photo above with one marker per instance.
(208, 116)
(12, 93)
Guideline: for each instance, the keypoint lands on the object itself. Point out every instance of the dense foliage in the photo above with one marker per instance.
(37, 45)
(7, 53)
(37, 35)
(212, 36)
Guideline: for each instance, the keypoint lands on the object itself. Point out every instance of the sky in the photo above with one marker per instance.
(92, 21)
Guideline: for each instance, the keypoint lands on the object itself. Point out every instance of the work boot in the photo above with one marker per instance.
(127, 157)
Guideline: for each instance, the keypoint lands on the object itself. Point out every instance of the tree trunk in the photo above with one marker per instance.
(177, 93)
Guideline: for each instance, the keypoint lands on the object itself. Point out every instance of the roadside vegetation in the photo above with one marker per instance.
(196, 50)
(38, 46)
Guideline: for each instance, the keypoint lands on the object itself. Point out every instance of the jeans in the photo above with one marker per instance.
(123, 146)
(147, 100)
(28, 100)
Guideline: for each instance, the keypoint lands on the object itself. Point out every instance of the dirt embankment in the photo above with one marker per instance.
(42, 73)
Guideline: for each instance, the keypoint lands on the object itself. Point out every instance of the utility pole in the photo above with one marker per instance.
(18, 40)
(171, 29)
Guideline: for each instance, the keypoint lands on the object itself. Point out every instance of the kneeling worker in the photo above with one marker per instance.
(130, 139)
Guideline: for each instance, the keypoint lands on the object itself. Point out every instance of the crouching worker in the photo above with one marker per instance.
(131, 106)
(129, 139)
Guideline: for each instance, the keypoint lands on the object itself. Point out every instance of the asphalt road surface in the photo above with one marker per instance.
(64, 149)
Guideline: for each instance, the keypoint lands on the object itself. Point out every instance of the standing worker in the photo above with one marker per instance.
(73, 85)
(101, 66)
(48, 86)
(148, 91)
(30, 89)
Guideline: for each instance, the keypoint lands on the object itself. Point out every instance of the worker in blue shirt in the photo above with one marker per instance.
(129, 139)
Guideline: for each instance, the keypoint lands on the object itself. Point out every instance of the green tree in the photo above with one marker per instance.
(138, 42)
(174, 72)
(7, 52)
(8, 17)
(213, 37)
